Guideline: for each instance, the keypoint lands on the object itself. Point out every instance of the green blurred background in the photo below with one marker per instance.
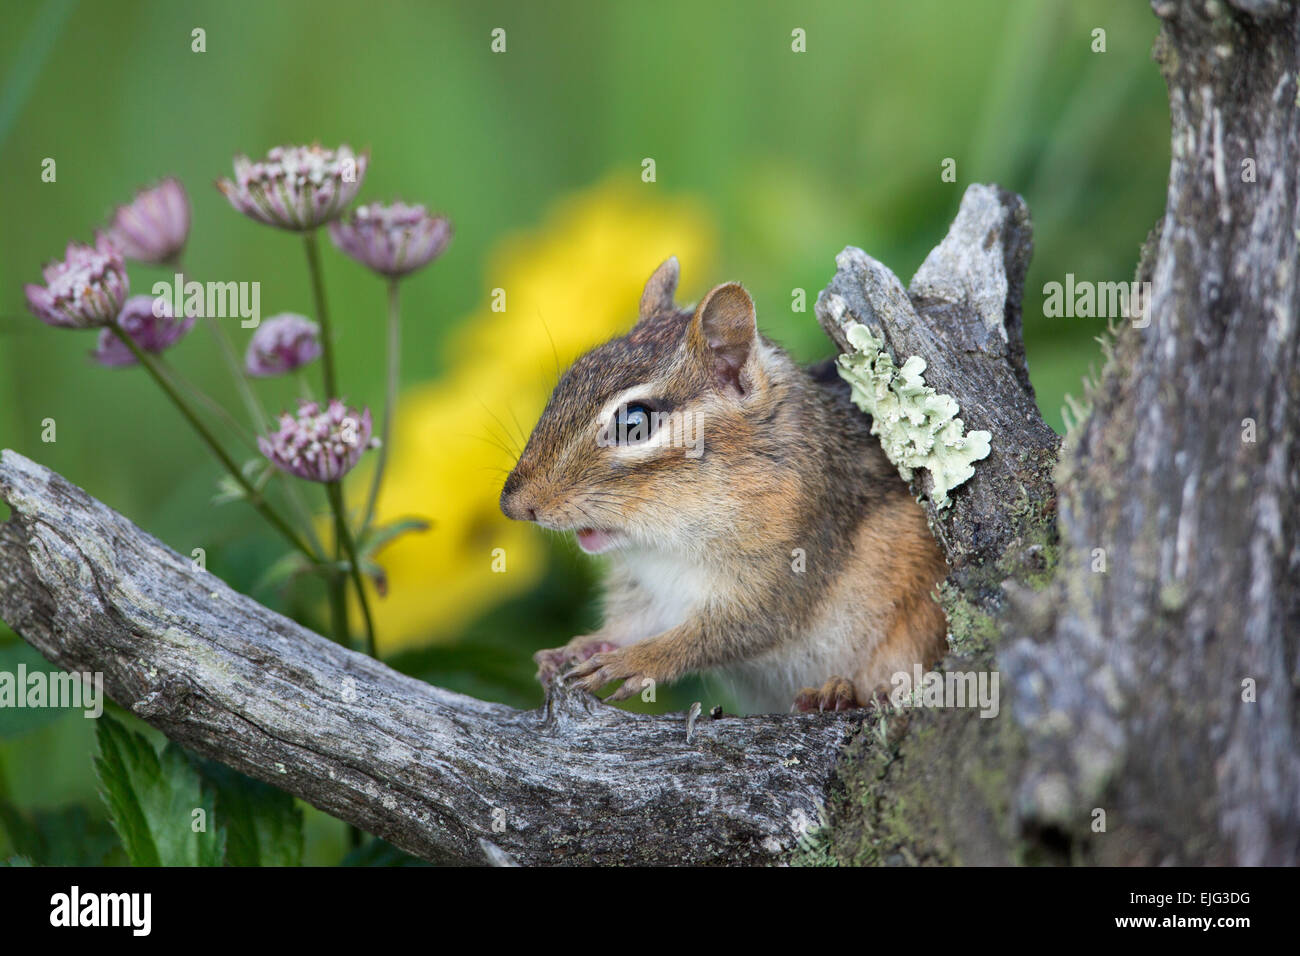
(789, 156)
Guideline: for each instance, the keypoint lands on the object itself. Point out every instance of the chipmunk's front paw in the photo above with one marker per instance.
(837, 693)
(552, 661)
(620, 664)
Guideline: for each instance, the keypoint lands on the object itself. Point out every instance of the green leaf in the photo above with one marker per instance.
(65, 836)
(228, 490)
(285, 569)
(263, 824)
(380, 537)
(257, 471)
(376, 852)
(376, 574)
(16, 861)
(152, 801)
(12, 823)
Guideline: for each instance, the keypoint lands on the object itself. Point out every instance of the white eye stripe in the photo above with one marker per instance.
(681, 428)
(637, 395)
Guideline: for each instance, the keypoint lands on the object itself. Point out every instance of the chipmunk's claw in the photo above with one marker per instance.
(594, 672)
(836, 694)
(604, 668)
(628, 689)
(549, 664)
(552, 661)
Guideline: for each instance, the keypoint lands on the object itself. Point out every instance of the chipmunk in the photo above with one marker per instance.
(752, 522)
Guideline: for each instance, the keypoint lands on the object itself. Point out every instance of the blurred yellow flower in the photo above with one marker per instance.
(569, 284)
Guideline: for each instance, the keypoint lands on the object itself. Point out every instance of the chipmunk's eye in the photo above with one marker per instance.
(633, 424)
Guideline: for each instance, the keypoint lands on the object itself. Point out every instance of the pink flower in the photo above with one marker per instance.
(281, 344)
(154, 226)
(296, 187)
(83, 291)
(150, 324)
(319, 445)
(393, 240)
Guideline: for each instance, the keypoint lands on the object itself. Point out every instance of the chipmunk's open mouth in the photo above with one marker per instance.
(596, 540)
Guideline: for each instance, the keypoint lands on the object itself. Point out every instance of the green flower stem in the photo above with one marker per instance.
(322, 313)
(312, 245)
(257, 415)
(194, 392)
(254, 498)
(334, 490)
(390, 402)
(208, 402)
(336, 587)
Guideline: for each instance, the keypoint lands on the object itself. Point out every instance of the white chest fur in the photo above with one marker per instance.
(654, 591)
(669, 588)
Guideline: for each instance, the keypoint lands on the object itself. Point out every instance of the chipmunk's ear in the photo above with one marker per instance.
(725, 329)
(659, 289)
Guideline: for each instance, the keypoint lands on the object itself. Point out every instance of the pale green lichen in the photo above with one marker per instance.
(917, 426)
(813, 846)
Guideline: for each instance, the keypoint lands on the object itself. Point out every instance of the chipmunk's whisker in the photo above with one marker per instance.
(496, 418)
(554, 351)
(492, 440)
(617, 498)
(523, 436)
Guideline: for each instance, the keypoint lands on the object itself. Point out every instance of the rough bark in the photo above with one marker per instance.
(1178, 569)
(441, 775)
(962, 316)
(934, 786)
(1134, 699)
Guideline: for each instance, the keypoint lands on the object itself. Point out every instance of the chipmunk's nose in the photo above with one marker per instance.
(511, 508)
(516, 501)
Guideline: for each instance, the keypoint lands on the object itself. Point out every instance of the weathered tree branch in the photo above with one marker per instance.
(962, 316)
(426, 769)
(1152, 684)
(1185, 479)
(936, 788)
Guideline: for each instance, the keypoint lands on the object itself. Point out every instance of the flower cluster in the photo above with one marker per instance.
(155, 225)
(393, 240)
(281, 344)
(296, 187)
(319, 444)
(85, 290)
(150, 324)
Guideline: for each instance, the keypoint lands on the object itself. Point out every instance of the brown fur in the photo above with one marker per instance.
(704, 573)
